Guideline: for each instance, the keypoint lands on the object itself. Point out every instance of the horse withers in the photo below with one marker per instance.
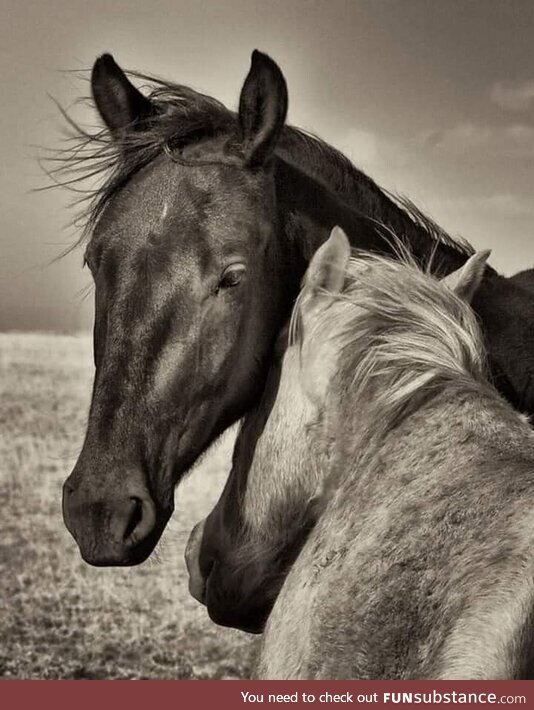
(420, 561)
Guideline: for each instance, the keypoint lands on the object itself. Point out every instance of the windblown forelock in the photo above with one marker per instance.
(182, 117)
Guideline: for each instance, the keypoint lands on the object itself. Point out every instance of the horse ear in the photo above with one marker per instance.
(466, 280)
(329, 263)
(121, 106)
(262, 109)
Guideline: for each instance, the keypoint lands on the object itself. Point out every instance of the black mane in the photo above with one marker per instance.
(183, 116)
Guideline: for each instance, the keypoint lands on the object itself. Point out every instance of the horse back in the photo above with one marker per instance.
(421, 565)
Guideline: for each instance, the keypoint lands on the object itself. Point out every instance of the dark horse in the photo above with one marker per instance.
(524, 279)
(199, 237)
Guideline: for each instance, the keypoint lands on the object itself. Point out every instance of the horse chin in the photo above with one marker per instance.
(235, 598)
(136, 556)
(226, 609)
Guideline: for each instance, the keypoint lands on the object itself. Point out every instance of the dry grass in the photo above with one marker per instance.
(60, 618)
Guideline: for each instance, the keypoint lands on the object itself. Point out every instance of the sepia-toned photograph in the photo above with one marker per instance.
(267, 340)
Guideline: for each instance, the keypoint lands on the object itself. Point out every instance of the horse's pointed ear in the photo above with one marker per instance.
(262, 109)
(466, 280)
(121, 106)
(328, 266)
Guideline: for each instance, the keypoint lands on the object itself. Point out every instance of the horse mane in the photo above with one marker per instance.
(183, 116)
(436, 233)
(402, 336)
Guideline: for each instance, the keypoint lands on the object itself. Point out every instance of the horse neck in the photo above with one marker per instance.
(274, 473)
(380, 397)
(328, 166)
(334, 170)
(461, 416)
(227, 511)
(309, 210)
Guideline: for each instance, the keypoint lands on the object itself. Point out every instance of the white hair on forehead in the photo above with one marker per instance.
(395, 321)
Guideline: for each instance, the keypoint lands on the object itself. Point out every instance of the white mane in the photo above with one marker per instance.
(401, 333)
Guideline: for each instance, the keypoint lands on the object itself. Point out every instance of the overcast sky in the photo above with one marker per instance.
(433, 99)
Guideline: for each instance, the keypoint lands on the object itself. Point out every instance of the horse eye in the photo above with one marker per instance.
(232, 276)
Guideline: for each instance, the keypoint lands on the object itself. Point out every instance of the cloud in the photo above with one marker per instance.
(360, 146)
(380, 156)
(467, 139)
(513, 95)
(502, 204)
(458, 138)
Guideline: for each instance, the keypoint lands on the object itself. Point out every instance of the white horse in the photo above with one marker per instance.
(421, 564)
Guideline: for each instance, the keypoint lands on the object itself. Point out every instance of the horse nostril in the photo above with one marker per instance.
(136, 517)
(207, 565)
(141, 522)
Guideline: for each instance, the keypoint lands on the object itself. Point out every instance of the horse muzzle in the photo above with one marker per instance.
(113, 528)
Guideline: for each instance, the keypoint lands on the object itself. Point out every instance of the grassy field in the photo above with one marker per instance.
(60, 618)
